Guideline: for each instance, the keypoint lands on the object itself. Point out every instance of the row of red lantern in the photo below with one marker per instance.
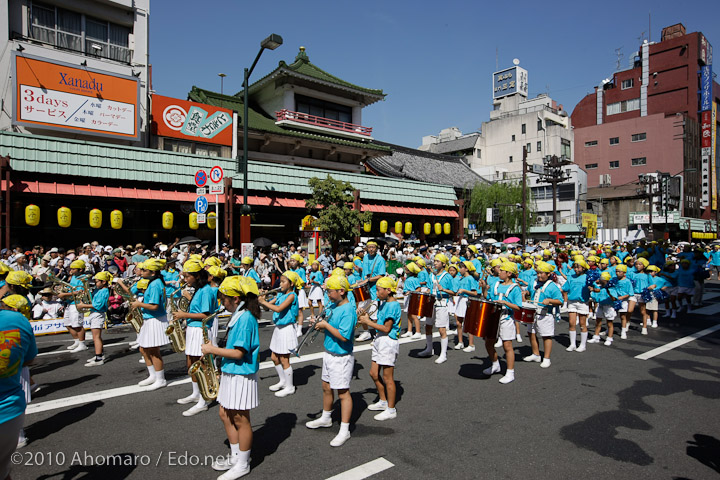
(64, 217)
(445, 228)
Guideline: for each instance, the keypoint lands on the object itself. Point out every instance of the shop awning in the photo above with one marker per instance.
(401, 210)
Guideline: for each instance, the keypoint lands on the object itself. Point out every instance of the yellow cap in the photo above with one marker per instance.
(104, 276)
(297, 257)
(294, 278)
(371, 242)
(454, 259)
(338, 271)
(80, 264)
(496, 262)
(337, 282)
(529, 261)
(653, 268)
(643, 261)
(246, 261)
(192, 266)
(19, 278)
(413, 268)
(509, 267)
(143, 284)
(3, 268)
(441, 257)
(154, 264)
(210, 261)
(196, 256)
(455, 266)
(628, 259)
(469, 265)
(420, 262)
(236, 286)
(604, 261)
(217, 272)
(544, 267)
(547, 252)
(140, 266)
(621, 268)
(348, 265)
(472, 248)
(387, 282)
(18, 302)
(581, 261)
(593, 258)
(605, 276)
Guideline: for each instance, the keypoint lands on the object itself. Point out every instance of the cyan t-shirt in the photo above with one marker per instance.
(343, 318)
(251, 273)
(576, 288)
(154, 295)
(390, 310)
(100, 300)
(17, 348)
(289, 315)
(204, 301)
(501, 291)
(468, 283)
(243, 333)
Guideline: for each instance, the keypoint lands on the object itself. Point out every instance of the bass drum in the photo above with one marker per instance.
(482, 318)
(421, 304)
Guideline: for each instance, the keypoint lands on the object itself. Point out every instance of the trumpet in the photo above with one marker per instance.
(312, 333)
(369, 310)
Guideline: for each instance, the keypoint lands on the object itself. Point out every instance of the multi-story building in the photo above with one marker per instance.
(648, 119)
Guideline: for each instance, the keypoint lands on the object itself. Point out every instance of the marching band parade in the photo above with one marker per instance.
(176, 296)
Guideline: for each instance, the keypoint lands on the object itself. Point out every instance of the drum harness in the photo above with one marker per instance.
(501, 296)
(540, 310)
(436, 284)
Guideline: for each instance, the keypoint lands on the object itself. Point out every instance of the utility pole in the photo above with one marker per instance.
(647, 188)
(524, 202)
(553, 174)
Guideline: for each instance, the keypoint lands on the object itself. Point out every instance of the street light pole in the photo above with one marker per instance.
(524, 202)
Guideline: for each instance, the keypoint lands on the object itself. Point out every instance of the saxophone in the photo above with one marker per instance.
(134, 316)
(176, 329)
(204, 369)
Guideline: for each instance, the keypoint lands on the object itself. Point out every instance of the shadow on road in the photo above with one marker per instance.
(271, 435)
(706, 450)
(49, 388)
(118, 465)
(57, 422)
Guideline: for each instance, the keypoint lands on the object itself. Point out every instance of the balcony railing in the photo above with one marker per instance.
(307, 119)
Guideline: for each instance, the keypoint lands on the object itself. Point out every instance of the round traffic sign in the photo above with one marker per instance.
(216, 174)
(201, 178)
(201, 205)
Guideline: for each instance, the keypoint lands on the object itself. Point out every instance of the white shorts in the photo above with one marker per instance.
(316, 295)
(238, 392)
(507, 330)
(302, 299)
(440, 317)
(686, 290)
(606, 312)
(624, 307)
(194, 340)
(152, 333)
(580, 308)
(284, 339)
(452, 305)
(337, 370)
(73, 318)
(544, 325)
(406, 303)
(97, 320)
(637, 298)
(652, 305)
(385, 350)
(461, 307)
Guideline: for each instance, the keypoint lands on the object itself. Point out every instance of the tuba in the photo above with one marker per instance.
(204, 370)
(176, 329)
(84, 294)
(134, 316)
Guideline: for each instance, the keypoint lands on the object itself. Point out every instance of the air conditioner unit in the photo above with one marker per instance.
(605, 180)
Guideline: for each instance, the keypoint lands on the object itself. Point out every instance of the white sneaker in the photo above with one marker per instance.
(285, 392)
(441, 359)
(378, 406)
(277, 387)
(134, 346)
(571, 348)
(425, 353)
(22, 443)
(654, 324)
(386, 415)
(491, 369)
(363, 337)
(532, 358)
(189, 399)
(498, 343)
(452, 331)
(623, 335)
(459, 346)
(608, 341)
(238, 470)
(407, 334)
(469, 348)
(225, 463)
(518, 337)
(80, 348)
(194, 410)
(142, 360)
(147, 381)
(298, 330)
(94, 362)
(674, 314)
(72, 345)
(507, 378)
(340, 439)
(594, 339)
(156, 385)
(545, 363)
(643, 331)
(581, 349)
(417, 336)
(319, 423)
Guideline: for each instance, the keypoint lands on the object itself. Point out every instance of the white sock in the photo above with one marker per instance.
(428, 340)
(583, 338)
(573, 337)
(496, 364)
(288, 377)
(443, 346)
(201, 403)
(243, 456)
(391, 410)
(160, 375)
(382, 402)
(151, 371)
(344, 428)
(326, 415)
(281, 373)
(235, 449)
(196, 389)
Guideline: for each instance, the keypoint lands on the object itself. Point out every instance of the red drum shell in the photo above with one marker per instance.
(361, 293)
(526, 314)
(482, 318)
(421, 304)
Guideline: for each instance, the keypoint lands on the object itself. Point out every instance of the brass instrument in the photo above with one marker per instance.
(370, 310)
(204, 370)
(84, 295)
(176, 328)
(61, 286)
(312, 333)
(134, 316)
(271, 294)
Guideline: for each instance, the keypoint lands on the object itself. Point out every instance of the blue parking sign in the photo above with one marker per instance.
(201, 205)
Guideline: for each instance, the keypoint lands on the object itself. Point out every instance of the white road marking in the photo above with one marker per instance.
(709, 310)
(677, 343)
(364, 471)
(90, 349)
(132, 389)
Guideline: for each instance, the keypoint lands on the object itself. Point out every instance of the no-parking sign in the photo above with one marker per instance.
(201, 178)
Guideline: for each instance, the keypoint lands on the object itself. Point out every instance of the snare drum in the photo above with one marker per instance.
(526, 314)
(482, 318)
(421, 304)
(361, 293)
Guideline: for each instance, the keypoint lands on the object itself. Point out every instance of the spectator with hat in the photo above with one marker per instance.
(47, 307)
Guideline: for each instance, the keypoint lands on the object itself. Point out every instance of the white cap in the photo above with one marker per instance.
(109, 248)
(53, 250)
(358, 249)
(86, 245)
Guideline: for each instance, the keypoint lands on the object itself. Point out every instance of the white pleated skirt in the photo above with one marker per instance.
(238, 392)
(284, 339)
(152, 333)
(302, 299)
(316, 293)
(193, 341)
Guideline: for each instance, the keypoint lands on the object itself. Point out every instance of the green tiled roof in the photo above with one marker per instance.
(171, 170)
(260, 122)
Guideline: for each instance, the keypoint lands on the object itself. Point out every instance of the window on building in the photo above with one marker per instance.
(627, 84)
(590, 166)
(323, 108)
(639, 137)
(591, 143)
(522, 129)
(565, 149)
(528, 148)
(478, 153)
(180, 146)
(510, 159)
(636, 162)
(614, 140)
(539, 125)
(566, 192)
(624, 106)
(538, 148)
(615, 164)
(64, 29)
(513, 138)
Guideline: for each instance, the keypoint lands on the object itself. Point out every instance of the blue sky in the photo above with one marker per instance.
(434, 60)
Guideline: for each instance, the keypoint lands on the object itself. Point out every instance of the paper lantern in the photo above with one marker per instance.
(32, 215)
(168, 218)
(398, 227)
(212, 220)
(95, 218)
(193, 220)
(447, 228)
(116, 219)
(426, 228)
(64, 216)
(408, 228)
(438, 228)
(367, 227)
(383, 226)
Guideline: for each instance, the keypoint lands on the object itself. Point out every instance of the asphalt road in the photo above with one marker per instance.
(597, 414)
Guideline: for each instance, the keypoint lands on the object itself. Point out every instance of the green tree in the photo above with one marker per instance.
(507, 196)
(332, 202)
